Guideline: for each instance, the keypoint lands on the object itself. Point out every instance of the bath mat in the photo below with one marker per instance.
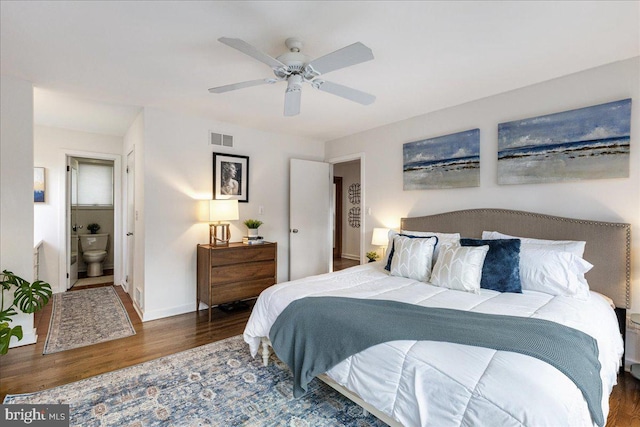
(86, 317)
(217, 384)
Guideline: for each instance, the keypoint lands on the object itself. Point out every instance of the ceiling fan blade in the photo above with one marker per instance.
(227, 88)
(247, 49)
(292, 102)
(345, 57)
(345, 92)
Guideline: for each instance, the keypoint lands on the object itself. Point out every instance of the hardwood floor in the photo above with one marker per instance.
(25, 369)
(342, 263)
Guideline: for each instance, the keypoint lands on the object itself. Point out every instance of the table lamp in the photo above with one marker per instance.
(221, 210)
(380, 238)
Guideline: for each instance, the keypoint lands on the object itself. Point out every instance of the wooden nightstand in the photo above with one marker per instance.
(234, 273)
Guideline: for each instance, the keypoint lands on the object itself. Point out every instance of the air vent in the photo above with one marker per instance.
(220, 139)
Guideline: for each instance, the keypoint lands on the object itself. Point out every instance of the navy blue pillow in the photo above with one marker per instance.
(501, 269)
(392, 250)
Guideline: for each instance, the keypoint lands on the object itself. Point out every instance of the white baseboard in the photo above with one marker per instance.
(350, 256)
(168, 312)
(28, 337)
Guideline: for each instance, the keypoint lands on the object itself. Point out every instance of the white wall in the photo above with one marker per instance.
(50, 146)
(16, 188)
(606, 200)
(178, 173)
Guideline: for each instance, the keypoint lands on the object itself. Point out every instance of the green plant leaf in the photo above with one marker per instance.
(5, 315)
(32, 297)
(5, 336)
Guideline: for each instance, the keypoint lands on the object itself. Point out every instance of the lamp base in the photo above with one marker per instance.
(223, 231)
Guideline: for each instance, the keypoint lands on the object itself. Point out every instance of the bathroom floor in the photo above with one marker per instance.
(94, 281)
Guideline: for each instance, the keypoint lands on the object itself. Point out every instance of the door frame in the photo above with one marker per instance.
(117, 213)
(337, 217)
(364, 210)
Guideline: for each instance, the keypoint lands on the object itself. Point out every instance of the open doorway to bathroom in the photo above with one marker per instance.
(90, 220)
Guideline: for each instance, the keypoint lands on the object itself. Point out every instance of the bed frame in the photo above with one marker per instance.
(608, 248)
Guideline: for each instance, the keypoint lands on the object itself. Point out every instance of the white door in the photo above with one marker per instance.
(71, 224)
(130, 224)
(310, 222)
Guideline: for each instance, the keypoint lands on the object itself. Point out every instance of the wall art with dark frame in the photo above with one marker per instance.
(230, 177)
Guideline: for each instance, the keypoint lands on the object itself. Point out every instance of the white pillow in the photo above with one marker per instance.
(573, 246)
(554, 272)
(459, 267)
(443, 238)
(412, 258)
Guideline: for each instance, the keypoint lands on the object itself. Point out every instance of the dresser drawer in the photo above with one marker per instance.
(231, 292)
(242, 255)
(248, 271)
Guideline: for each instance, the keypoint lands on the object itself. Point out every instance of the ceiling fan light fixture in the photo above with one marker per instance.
(296, 68)
(294, 83)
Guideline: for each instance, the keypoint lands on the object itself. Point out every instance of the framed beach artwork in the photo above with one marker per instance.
(448, 161)
(39, 185)
(230, 177)
(587, 143)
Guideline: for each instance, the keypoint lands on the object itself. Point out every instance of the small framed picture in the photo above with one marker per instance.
(230, 177)
(39, 186)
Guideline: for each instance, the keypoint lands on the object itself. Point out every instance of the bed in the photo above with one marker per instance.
(433, 382)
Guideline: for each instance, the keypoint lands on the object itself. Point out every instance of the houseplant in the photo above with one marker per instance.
(93, 228)
(372, 256)
(27, 297)
(253, 225)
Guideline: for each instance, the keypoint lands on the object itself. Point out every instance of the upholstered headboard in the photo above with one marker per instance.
(608, 245)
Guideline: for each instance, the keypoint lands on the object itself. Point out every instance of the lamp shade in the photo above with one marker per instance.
(223, 210)
(380, 237)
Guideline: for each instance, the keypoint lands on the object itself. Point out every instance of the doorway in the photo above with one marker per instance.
(348, 214)
(85, 205)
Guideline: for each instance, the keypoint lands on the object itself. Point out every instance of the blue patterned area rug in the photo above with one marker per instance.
(217, 384)
(86, 317)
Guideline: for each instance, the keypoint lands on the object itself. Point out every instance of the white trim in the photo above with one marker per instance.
(29, 337)
(347, 158)
(350, 256)
(165, 312)
(117, 213)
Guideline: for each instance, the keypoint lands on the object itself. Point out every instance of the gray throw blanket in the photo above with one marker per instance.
(314, 334)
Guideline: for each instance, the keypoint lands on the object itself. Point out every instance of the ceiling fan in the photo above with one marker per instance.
(295, 68)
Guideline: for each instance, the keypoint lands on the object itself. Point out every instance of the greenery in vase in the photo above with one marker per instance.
(28, 297)
(372, 256)
(253, 223)
(93, 228)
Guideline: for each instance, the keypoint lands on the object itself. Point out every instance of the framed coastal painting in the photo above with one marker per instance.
(39, 185)
(587, 143)
(230, 177)
(448, 161)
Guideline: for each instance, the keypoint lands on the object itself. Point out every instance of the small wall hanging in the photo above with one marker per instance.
(39, 185)
(448, 161)
(587, 143)
(354, 217)
(354, 193)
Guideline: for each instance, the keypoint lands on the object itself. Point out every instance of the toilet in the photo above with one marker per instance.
(94, 251)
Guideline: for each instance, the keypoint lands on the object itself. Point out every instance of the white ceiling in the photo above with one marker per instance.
(95, 63)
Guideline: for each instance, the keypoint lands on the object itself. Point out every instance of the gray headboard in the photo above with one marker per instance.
(608, 243)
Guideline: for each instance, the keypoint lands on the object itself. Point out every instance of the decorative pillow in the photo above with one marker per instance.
(573, 246)
(459, 267)
(501, 269)
(554, 272)
(412, 257)
(443, 238)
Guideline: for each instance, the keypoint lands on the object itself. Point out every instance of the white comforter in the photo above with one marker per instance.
(427, 383)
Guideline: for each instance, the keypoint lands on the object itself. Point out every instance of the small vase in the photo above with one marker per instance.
(253, 232)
